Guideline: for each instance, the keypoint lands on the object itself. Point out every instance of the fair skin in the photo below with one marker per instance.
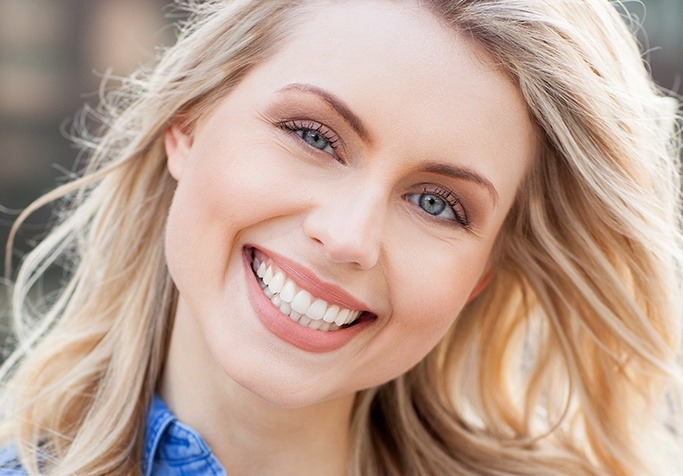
(382, 167)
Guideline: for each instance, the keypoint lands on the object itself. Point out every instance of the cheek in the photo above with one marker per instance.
(438, 276)
(445, 280)
(430, 288)
(220, 192)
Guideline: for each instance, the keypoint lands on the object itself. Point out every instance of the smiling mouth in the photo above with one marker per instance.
(300, 305)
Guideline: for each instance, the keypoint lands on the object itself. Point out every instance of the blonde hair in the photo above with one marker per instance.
(565, 364)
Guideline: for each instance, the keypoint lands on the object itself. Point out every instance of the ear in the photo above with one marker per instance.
(481, 285)
(178, 144)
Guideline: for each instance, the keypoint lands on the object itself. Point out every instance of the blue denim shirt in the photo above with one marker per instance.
(171, 448)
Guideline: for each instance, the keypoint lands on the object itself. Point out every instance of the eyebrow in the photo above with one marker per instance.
(462, 173)
(337, 104)
(356, 123)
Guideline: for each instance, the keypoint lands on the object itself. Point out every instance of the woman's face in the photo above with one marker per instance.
(369, 165)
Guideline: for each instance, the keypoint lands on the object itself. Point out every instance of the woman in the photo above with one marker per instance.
(436, 237)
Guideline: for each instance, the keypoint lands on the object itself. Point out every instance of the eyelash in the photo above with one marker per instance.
(453, 202)
(294, 126)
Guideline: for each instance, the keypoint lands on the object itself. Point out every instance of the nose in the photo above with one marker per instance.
(348, 226)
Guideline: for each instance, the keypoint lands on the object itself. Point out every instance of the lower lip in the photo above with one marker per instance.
(286, 329)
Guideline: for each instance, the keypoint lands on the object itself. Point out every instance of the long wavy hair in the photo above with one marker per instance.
(566, 364)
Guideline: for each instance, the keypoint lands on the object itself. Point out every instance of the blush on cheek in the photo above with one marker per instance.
(179, 242)
(195, 245)
(214, 202)
(442, 280)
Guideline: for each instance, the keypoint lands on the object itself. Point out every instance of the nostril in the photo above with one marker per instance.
(345, 236)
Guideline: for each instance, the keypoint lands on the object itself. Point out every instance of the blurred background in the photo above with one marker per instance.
(54, 52)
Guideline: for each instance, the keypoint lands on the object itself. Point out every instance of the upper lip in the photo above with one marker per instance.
(306, 279)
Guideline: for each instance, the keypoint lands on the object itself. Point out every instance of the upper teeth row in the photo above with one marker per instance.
(296, 302)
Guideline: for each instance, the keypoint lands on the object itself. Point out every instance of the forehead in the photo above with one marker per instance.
(421, 88)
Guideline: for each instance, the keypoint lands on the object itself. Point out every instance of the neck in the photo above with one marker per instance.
(247, 434)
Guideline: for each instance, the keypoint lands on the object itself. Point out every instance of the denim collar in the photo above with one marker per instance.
(173, 448)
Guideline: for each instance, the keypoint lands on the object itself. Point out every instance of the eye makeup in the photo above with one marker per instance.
(457, 208)
(315, 128)
(316, 135)
(335, 103)
(303, 117)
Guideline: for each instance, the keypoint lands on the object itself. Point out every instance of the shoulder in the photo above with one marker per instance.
(9, 462)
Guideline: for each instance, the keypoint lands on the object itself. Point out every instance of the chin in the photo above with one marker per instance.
(284, 394)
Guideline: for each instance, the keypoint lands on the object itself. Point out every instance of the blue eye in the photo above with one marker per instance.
(315, 135)
(315, 139)
(432, 204)
(441, 204)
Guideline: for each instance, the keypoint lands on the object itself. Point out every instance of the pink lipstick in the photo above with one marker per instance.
(289, 330)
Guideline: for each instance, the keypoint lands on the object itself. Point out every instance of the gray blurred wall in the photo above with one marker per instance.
(52, 55)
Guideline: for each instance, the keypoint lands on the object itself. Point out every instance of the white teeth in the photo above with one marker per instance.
(267, 278)
(316, 325)
(331, 314)
(302, 301)
(353, 315)
(261, 272)
(341, 317)
(288, 291)
(305, 321)
(285, 307)
(277, 282)
(317, 310)
(299, 304)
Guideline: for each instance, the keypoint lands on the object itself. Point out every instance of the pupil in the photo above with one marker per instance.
(315, 139)
(432, 204)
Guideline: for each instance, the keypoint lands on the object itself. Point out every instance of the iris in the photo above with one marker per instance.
(432, 204)
(314, 139)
